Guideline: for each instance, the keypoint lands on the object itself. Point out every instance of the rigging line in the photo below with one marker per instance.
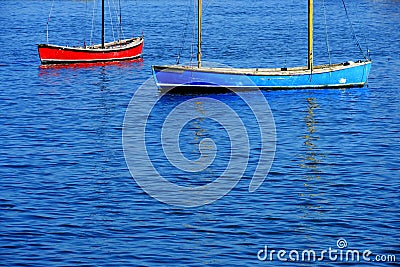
(115, 8)
(290, 27)
(363, 35)
(117, 20)
(184, 33)
(326, 33)
(86, 23)
(354, 33)
(111, 20)
(48, 20)
(204, 11)
(205, 8)
(120, 20)
(92, 30)
(121, 32)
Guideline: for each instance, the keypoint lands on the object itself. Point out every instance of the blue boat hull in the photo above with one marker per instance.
(349, 74)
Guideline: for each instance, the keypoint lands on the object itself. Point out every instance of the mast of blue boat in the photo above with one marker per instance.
(102, 24)
(310, 35)
(199, 15)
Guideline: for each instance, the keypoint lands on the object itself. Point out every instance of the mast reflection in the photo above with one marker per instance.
(311, 157)
(310, 193)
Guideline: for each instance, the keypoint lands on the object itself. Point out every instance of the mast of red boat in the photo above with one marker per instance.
(102, 24)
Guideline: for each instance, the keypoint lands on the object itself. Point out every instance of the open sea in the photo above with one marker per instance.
(71, 141)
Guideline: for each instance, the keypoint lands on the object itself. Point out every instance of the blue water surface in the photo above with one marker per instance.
(67, 197)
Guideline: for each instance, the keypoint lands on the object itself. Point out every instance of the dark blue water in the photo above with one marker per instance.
(67, 197)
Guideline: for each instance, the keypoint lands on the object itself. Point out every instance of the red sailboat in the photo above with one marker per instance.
(113, 51)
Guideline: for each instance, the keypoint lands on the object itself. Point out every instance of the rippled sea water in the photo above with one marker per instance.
(67, 197)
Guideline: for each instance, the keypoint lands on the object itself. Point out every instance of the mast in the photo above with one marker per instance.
(310, 35)
(102, 24)
(199, 15)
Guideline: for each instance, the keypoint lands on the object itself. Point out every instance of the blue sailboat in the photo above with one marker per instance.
(180, 78)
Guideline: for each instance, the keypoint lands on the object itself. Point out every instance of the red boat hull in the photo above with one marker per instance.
(115, 51)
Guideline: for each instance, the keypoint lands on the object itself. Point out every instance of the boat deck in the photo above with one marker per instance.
(265, 71)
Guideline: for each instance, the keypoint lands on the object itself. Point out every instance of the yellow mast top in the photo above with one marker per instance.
(199, 15)
(310, 35)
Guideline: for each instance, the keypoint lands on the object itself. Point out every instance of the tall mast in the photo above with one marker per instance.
(102, 24)
(199, 15)
(310, 35)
